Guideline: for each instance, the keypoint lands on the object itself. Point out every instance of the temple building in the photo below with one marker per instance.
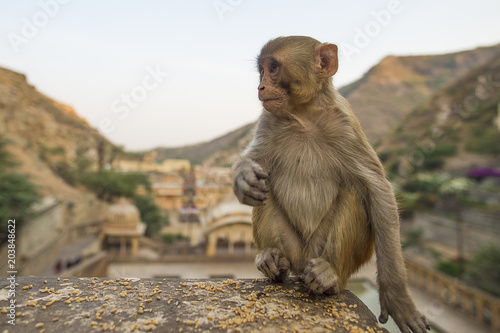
(122, 228)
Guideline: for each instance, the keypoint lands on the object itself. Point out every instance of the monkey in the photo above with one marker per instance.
(322, 203)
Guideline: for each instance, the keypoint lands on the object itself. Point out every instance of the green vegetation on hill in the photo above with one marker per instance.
(484, 141)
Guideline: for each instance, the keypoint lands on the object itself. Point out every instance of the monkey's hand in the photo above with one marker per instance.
(249, 185)
(320, 277)
(400, 307)
(273, 264)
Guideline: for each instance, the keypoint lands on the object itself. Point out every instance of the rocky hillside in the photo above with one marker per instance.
(392, 88)
(48, 139)
(381, 99)
(457, 129)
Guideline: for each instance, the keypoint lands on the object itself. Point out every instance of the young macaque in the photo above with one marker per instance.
(321, 198)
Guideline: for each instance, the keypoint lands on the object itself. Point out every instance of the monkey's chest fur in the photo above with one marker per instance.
(303, 181)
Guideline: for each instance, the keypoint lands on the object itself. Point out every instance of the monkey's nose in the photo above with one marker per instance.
(261, 87)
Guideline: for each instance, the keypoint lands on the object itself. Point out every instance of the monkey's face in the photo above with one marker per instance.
(293, 71)
(272, 93)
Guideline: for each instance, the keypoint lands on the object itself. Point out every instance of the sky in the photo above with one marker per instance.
(152, 73)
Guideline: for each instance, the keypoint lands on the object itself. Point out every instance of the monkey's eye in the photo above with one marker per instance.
(273, 68)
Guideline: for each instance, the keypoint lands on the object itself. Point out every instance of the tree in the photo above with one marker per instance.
(109, 185)
(17, 194)
(150, 214)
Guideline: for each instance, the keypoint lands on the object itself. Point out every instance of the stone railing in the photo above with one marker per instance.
(483, 308)
(172, 305)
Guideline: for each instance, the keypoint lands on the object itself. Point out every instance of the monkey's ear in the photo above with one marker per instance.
(327, 60)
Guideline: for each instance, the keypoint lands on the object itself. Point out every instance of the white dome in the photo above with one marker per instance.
(122, 213)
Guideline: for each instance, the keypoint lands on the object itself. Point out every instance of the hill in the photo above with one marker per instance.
(392, 88)
(456, 129)
(48, 139)
(218, 152)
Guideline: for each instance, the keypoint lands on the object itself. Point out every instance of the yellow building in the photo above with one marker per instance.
(149, 165)
(168, 190)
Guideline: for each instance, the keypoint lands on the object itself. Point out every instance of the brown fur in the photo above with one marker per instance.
(320, 195)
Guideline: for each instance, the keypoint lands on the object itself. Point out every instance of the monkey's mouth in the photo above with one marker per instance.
(269, 100)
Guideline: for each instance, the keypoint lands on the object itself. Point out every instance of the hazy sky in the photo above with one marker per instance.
(168, 73)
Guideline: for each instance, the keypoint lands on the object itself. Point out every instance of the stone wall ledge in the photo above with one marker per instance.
(177, 305)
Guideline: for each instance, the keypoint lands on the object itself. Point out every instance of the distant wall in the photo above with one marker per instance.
(478, 228)
(83, 210)
(38, 233)
(57, 223)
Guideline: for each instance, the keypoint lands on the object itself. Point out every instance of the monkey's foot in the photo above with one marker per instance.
(273, 264)
(320, 277)
(402, 309)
